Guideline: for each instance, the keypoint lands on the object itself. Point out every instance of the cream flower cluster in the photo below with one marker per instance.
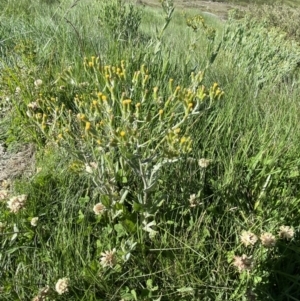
(34, 221)
(16, 203)
(267, 239)
(62, 286)
(243, 262)
(108, 258)
(99, 209)
(286, 232)
(248, 238)
(3, 194)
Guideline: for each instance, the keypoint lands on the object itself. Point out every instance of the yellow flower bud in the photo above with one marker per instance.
(171, 80)
(177, 131)
(80, 116)
(126, 101)
(87, 126)
(183, 140)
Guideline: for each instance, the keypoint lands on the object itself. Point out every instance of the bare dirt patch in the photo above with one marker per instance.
(219, 9)
(15, 164)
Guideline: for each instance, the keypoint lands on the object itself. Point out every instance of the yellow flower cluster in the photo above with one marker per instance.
(93, 63)
(195, 22)
(120, 108)
(215, 92)
(111, 72)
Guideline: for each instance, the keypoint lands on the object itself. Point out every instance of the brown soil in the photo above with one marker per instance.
(219, 9)
(15, 164)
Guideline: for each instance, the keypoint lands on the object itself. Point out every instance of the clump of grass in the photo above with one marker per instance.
(279, 15)
(262, 52)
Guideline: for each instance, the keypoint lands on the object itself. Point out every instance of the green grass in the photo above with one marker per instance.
(146, 173)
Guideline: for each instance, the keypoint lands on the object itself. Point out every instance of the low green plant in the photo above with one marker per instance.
(121, 19)
(122, 128)
(198, 25)
(279, 15)
(263, 53)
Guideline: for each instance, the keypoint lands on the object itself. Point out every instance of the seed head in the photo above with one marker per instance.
(243, 262)
(16, 203)
(248, 238)
(193, 200)
(34, 221)
(38, 83)
(204, 163)
(286, 232)
(61, 286)
(268, 240)
(99, 209)
(108, 258)
(3, 194)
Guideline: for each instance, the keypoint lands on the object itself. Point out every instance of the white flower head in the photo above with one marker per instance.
(243, 262)
(268, 240)
(286, 232)
(34, 221)
(204, 163)
(16, 203)
(3, 194)
(62, 285)
(99, 209)
(18, 90)
(91, 167)
(33, 105)
(248, 238)
(88, 168)
(38, 83)
(108, 258)
(194, 200)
